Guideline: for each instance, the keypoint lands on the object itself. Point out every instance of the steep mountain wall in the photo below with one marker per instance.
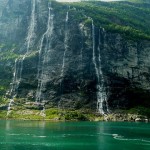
(53, 54)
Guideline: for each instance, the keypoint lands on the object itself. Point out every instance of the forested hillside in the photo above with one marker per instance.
(128, 18)
(85, 58)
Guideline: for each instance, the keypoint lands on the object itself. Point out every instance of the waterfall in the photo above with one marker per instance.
(64, 55)
(15, 77)
(101, 93)
(31, 29)
(30, 35)
(101, 73)
(9, 106)
(102, 96)
(65, 45)
(94, 56)
(18, 67)
(43, 56)
(42, 75)
(82, 47)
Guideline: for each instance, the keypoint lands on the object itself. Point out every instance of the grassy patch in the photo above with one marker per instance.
(19, 112)
(3, 114)
(140, 111)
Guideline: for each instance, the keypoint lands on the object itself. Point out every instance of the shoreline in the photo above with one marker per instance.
(56, 116)
(46, 120)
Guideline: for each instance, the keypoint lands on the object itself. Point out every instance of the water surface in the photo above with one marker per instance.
(35, 135)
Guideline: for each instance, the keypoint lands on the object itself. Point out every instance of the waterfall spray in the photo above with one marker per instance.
(101, 93)
(41, 74)
(65, 51)
(17, 75)
(65, 45)
(104, 95)
(43, 58)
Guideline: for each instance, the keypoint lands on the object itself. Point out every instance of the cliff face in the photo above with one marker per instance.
(51, 55)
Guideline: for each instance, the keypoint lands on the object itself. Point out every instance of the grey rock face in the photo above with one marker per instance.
(125, 63)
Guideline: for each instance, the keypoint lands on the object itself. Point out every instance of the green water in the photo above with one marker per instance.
(34, 135)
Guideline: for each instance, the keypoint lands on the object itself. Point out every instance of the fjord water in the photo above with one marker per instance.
(29, 135)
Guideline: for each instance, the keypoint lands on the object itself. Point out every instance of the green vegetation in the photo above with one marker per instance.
(3, 114)
(140, 111)
(55, 114)
(138, 1)
(23, 112)
(8, 52)
(5, 78)
(7, 55)
(51, 114)
(128, 18)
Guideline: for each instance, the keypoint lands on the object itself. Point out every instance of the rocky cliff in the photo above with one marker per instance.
(54, 55)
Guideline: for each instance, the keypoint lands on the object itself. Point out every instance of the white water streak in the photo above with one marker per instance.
(42, 78)
(17, 75)
(101, 93)
(102, 97)
(66, 46)
(101, 72)
(30, 36)
(31, 30)
(81, 51)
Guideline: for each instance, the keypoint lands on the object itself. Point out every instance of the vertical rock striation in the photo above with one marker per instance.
(60, 60)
